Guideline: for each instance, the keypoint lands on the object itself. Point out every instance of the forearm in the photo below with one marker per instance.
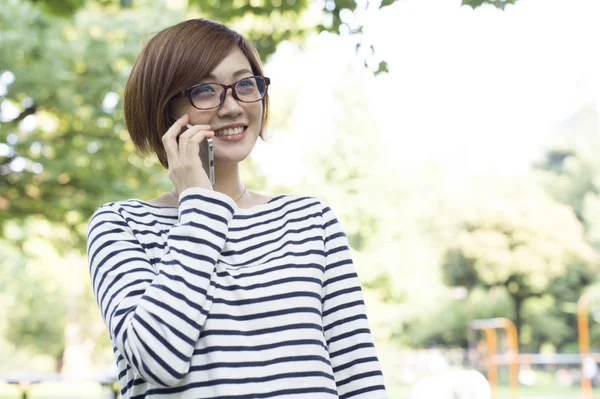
(352, 353)
(155, 312)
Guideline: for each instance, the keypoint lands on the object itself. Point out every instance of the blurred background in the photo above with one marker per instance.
(457, 141)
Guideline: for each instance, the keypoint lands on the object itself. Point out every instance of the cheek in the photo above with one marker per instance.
(255, 113)
(182, 106)
(199, 117)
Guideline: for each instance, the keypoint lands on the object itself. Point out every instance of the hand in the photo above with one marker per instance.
(185, 166)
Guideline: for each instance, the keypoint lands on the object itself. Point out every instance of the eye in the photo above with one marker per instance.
(203, 89)
(246, 83)
(206, 96)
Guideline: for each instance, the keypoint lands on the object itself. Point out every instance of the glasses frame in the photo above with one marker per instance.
(188, 92)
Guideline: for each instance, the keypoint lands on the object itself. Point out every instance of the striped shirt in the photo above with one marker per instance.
(209, 300)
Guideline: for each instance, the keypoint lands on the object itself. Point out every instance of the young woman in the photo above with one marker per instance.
(215, 291)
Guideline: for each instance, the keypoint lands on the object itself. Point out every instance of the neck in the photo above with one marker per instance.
(228, 181)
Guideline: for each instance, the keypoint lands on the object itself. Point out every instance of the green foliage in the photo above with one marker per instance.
(545, 322)
(514, 242)
(569, 173)
(60, 7)
(65, 136)
(74, 154)
(496, 3)
(569, 176)
(45, 290)
(62, 74)
(446, 324)
(69, 152)
(277, 19)
(570, 169)
(382, 68)
(229, 9)
(31, 288)
(32, 329)
(348, 168)
(536, 247)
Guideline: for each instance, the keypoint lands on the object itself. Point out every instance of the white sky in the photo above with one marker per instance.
(467, 88)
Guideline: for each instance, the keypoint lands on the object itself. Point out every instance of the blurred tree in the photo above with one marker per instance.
(61, 92)
(341, 172)
(496, 3)
(335, 12)
(64, 149)
(570, 169)
(44, 291)
(527, 243)
(25, 291)
(278, 20)
(446, 324)
(554, 324)
(570, 172)
(547, 320)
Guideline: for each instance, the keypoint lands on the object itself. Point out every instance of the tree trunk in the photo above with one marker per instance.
(518, 308)
(58, 361)
(76, 359)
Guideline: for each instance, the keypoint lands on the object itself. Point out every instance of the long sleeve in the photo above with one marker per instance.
(353, 357)
(155, 309)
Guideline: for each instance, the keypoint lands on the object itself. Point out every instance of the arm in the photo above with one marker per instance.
(353, 358)
(155, 319)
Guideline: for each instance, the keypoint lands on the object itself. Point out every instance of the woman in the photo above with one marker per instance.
(217, 291)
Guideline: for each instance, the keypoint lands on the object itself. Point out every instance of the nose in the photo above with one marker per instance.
(230, 106)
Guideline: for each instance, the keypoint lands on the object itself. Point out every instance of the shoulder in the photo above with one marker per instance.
(120, 211)
(314, 208)
(113, 207)
(307, 205)
(299, 201)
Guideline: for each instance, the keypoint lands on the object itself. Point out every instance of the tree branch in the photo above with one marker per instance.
(26, 112)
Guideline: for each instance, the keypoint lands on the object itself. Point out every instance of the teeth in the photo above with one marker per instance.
(230, 131)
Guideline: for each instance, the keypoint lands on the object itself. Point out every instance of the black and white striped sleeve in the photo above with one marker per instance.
(155, 313)
(353, 357)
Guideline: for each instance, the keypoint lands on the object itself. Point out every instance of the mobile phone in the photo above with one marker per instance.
(207, 156)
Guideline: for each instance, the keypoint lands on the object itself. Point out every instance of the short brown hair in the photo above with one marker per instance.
(176, 58)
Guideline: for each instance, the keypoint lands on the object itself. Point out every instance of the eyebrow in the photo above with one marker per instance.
(237, 73)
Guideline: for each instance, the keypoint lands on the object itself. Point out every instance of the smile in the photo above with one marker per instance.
(229, 131)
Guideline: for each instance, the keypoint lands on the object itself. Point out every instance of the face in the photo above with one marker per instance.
(232, 117)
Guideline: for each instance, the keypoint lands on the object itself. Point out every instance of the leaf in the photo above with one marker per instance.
(383, 68)
(497, 3)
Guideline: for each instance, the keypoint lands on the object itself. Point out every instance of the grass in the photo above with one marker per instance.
(545, 391)
(75, 390)
(552, 391)
(51, 390)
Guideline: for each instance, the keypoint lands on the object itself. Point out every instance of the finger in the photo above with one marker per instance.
(171, 149)
(176, 127)
(184, 138)
(193, 147)
(169, 139)
(199, 136)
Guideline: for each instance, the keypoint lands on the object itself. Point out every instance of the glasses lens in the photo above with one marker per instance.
(251, 89)
(206, 95)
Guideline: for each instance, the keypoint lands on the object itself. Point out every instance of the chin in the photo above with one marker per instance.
(232, 155)
(230, 159)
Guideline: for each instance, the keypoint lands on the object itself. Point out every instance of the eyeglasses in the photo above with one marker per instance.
(212, 95)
